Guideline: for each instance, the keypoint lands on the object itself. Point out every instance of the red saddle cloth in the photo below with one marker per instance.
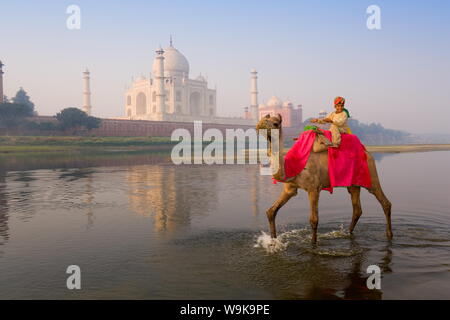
(347, 165)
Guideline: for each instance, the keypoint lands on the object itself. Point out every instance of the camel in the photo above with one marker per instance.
(314, 178)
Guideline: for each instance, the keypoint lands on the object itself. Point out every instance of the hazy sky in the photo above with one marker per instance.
(305, 51)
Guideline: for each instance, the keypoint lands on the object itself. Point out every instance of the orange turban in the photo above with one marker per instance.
(338, 100)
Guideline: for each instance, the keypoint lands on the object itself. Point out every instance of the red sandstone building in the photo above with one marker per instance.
(292, 116)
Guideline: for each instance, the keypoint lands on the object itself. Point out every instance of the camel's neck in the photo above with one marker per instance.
(277, 156)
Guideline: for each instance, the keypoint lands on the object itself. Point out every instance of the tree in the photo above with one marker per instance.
(22, 98)
(73, 118)
(13, 114)
(92, 123)
(43, 126)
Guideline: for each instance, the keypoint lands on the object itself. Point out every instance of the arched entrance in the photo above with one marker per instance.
(195, 103)
(141, 103)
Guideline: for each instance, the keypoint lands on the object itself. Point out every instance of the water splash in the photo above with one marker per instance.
(300, 237)
(335, 234)
(269, 244)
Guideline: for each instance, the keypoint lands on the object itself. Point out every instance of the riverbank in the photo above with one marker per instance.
(52, 144)
(408, 148)
(26, 144)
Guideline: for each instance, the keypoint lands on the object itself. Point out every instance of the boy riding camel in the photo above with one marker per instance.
(338, 120)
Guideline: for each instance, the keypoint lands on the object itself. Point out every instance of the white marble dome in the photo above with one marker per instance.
(274, 102)
(175, 63)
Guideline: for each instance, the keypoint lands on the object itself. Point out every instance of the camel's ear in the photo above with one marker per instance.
(279, 117)
(267, 116)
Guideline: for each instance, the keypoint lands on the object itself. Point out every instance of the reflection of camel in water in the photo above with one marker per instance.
(4, 218)
(323, 273)
(357, 282)
(315, 179)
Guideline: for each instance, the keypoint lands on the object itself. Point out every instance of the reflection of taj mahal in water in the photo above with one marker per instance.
(172, 198)
(167, 194)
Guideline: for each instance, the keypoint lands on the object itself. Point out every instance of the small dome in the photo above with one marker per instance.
(201, 78)
(261, 105)
(274, 102)
(174, 62)
(140, 78)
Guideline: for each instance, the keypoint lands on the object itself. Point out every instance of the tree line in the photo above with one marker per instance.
(375, 133)
(17, 112)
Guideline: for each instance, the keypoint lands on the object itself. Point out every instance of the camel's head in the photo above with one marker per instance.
(268, 122)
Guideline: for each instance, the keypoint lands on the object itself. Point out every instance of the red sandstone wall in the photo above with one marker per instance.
(130, 128)
(136, 128)
(122, 128)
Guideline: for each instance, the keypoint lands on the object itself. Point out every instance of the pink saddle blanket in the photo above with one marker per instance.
(347, 165)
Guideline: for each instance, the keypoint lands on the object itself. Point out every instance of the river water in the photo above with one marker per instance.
(140, 227)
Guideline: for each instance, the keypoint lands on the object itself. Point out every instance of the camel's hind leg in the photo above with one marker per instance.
(379, 194)
(287, 193)
(314, 217)
(356, 203)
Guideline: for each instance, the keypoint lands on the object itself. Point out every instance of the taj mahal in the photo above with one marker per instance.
(171, 95)
(170, 98)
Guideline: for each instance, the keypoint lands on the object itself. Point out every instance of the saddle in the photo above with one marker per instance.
(324, 142)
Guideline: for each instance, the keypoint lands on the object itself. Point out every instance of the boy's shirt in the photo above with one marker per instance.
(340, 121)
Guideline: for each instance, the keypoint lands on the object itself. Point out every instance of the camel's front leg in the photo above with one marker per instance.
(287, 193)
(314, 218)
(356, 203)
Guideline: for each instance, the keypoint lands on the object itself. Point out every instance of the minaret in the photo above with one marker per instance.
(87, 93)
(1, 82)
(254, 95)
(300, 113)
(159, 81)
